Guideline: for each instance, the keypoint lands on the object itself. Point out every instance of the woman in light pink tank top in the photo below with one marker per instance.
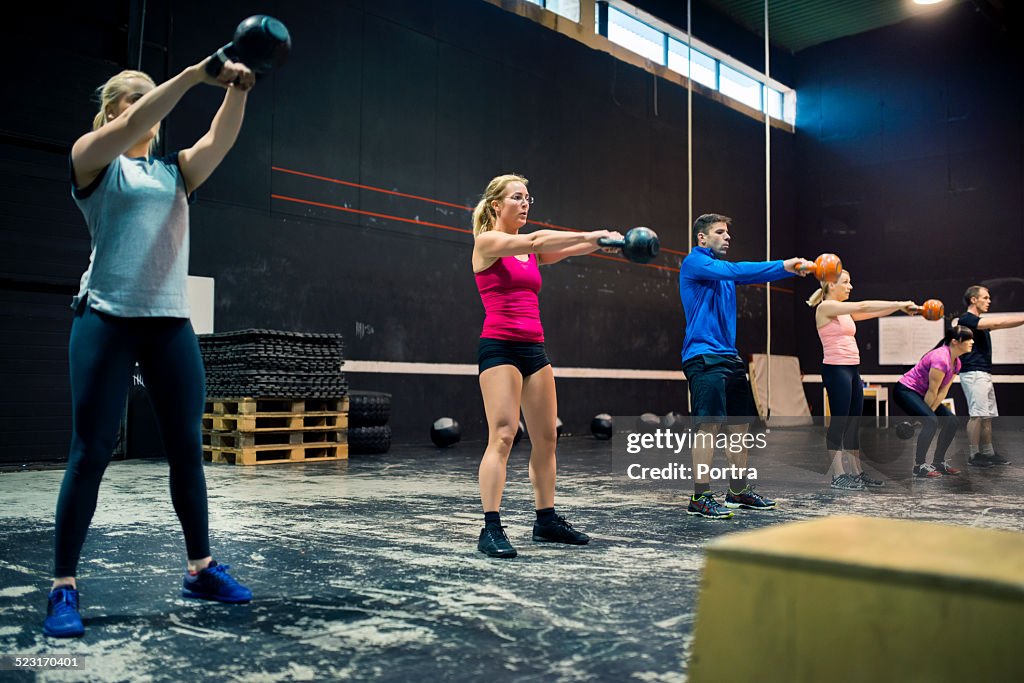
(514, 369)
(835, 317)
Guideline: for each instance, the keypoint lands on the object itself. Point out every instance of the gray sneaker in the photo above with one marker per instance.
(869, 482)
(847, 482)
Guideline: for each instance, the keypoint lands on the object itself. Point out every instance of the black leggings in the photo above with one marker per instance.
(913, 403)
(103, 352)
(846, 405)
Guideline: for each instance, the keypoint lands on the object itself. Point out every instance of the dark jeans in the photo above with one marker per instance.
(103, 352)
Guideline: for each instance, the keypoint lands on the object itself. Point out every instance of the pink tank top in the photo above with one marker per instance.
(508, 289)
(839, 341)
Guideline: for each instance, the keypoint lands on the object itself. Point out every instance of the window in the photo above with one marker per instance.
(661, 43)
(702, 68)
(739, 86)
(635, 35)
(649, 37)
(773, 103)
(570, 9)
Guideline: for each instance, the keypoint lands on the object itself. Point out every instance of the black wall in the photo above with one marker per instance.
(909, 153)
(58, 53)
(425, 98)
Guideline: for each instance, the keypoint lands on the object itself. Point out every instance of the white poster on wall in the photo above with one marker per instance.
(1008, 346)
(200, 300)
(903, 340)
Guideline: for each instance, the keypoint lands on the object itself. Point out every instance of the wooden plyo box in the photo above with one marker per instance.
(861, 599)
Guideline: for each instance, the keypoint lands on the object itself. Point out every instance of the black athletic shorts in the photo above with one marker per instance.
(719, 390)
(528, 357)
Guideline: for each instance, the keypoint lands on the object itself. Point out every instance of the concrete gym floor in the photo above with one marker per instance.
(367, 569)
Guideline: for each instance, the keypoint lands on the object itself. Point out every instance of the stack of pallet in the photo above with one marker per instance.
(274, 397)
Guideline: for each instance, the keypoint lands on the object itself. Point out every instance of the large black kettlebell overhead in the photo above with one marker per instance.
(261, 42)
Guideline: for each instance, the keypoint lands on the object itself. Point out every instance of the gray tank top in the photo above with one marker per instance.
(137, 214)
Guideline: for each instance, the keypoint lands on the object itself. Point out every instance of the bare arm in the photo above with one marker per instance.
(495, 244)
(1000, 322)
(549, 257)
(201, 159)
(863, 310)
(93, 151)
(942, 395)
(931, 397)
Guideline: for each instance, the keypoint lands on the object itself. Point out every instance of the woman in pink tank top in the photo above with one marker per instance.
(835, 317)
(514, 369)
(920, 393)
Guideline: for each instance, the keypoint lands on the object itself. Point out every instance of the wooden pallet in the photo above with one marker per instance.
(252, 439)
(270, 422)
(274, 406)
(270, 455)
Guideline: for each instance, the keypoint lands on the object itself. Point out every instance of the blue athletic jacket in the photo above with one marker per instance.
(707, 286)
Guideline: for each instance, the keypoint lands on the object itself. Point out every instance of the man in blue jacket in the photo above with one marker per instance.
(719, 388)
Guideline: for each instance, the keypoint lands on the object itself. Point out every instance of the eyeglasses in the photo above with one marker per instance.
(518, 198)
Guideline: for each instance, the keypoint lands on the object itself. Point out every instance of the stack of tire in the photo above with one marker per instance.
(368, 414)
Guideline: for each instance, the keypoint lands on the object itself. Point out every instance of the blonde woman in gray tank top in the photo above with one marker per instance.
(132, 307)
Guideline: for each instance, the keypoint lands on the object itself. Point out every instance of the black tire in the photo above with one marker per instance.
(364, 440)
(368, 408)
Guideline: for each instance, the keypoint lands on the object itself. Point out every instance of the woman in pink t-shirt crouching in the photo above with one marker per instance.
(920, 392)
(515, 372)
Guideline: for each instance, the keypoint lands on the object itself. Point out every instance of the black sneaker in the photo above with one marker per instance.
(557, 530)
(996, 459)
(494, 543)
(979, 460)
(705, 505)
(748, 500)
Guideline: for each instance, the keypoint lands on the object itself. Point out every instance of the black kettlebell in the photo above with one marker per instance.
(445, 432)
(601, 427)
(261, 42)
(904, 430)
(640, 245)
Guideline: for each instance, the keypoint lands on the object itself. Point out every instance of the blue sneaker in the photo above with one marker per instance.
(62, 617)
(214, 583)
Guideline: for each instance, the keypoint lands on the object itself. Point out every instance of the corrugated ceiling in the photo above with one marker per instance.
(795, 25)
